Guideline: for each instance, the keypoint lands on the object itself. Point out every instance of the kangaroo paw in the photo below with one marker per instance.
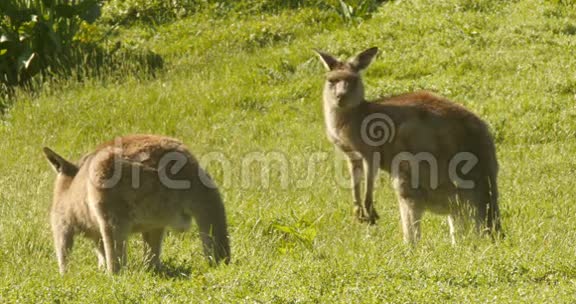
(372, 216)
(358, 212)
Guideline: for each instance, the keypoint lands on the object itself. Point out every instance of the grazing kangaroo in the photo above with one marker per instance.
(136, 183)
(440, 156)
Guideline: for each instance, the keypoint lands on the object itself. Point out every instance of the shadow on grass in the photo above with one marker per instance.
(80, 63)
(172, 270)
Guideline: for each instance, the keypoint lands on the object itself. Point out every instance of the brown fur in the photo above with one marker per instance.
(89, 200)
(423, 122)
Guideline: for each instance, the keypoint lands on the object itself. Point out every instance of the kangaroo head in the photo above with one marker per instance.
(344, 87)
(66, 171)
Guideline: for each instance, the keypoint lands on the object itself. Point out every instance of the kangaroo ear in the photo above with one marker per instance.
(363, 59)
(59, 164)
(328, 60)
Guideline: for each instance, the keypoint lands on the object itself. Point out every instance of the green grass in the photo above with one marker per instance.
(244, 84)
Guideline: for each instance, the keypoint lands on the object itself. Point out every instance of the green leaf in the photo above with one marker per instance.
(346, 10)
(28, 62)
(5, 38)
(23, 59)
(89, 11)
(27, 29)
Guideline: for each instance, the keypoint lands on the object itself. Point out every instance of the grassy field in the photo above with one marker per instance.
(240, 84)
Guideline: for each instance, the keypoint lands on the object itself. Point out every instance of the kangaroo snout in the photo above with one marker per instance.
(341, 89)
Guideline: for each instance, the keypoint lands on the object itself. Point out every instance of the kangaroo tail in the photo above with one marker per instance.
(493, 215)
(493, 210)
(489, 169)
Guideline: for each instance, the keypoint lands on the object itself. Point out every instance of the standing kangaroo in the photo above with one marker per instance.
(137, 183)
(421, 140)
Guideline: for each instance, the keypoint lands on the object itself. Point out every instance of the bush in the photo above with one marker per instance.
(152, 11)
(160, 11)
(46, 38)
(36, 35)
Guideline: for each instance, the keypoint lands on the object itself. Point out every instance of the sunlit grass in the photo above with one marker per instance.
(252, 84)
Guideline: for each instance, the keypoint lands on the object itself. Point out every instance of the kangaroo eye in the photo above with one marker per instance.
(333, 81)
